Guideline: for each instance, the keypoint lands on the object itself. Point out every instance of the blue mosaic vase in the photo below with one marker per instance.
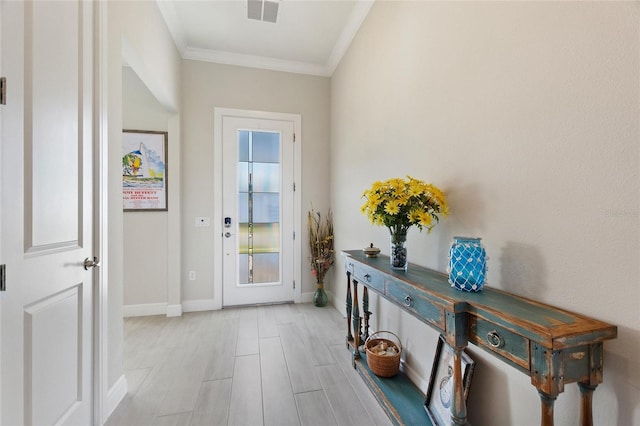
(467, 264)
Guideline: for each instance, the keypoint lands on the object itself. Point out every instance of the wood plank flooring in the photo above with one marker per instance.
(268, 365)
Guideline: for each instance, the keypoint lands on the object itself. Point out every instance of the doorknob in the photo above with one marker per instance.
(89, 263)
(227, 234)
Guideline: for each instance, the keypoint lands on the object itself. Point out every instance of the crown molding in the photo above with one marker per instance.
(170, 16)
(360, 11)
(252, 61)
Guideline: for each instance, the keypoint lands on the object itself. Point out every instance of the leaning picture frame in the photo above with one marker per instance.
(440, 391)
(144, 170)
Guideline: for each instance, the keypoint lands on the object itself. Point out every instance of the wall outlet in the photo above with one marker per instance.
(202, 221)
(192, 275)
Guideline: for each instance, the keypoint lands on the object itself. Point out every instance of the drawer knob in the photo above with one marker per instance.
(367, 278)
(408, 301)
(494, 339)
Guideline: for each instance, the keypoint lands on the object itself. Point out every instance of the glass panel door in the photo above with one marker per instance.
(258, 211)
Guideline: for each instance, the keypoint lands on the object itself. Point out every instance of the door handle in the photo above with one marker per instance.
(91, 263)
(228, 234)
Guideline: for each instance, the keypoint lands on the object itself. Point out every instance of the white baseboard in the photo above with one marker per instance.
(144, 310)
(306, 297)
(115, 395)
(174, 310)
(415, 378)
(199, 305)
(148, 309)
(186, 306)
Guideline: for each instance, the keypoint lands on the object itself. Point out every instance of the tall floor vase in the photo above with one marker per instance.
(320, 297)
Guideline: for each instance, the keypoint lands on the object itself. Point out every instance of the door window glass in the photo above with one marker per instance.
(258, 207)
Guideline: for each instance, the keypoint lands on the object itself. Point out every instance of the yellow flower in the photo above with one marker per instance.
(392, 207)
(414, 216)
(396, 184)
(425, 219)
(375, 186)
(374, 196)
(415, 188)
(402, 199)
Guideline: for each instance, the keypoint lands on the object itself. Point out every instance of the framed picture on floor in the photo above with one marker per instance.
(440, 392)
(144, 170)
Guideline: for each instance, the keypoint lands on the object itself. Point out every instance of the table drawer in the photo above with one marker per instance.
(368, 277)
(505, 343)
(416, 302)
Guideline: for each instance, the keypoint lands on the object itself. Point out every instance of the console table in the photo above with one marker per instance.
(552, 346)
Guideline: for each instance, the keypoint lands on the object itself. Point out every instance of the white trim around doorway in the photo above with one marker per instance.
(219, 114)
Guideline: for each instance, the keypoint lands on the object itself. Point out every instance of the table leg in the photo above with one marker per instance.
(349, 305)
(366, 314)
(459, 407)
(356, 322)
(547, 402)
(586, 407)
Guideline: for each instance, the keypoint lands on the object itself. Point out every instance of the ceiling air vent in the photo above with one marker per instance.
(263, 10)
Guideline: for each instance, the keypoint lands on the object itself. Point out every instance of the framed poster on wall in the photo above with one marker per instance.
(144, 170)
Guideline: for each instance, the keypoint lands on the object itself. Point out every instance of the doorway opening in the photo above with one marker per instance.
(257, 216)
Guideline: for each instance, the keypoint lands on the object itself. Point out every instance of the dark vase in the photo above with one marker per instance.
(320, 297)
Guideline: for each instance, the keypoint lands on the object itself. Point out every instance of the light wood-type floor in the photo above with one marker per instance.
(267, 365)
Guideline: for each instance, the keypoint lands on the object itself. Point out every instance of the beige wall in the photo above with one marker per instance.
(137, 33)
(145, 233)
(206, 86)
(526, 114)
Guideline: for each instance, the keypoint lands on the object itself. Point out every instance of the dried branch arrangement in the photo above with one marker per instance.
(321, 250)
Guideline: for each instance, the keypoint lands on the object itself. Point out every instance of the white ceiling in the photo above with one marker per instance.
(309, 37)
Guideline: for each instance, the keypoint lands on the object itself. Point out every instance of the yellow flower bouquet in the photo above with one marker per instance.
(399, 204)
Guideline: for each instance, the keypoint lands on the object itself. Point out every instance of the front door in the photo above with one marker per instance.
(258, 210)
(46, 213)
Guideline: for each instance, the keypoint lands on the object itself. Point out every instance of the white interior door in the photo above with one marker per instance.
(46, 211)
(258, 210)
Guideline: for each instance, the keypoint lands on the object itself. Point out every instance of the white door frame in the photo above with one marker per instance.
(101, 406)
(1, 254)
(218, 116)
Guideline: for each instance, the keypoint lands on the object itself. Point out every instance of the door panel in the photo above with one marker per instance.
(53, 67)
(47, 212)
(258, 199)
(52, 367)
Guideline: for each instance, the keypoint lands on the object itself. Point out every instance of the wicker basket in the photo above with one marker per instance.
(383, 365)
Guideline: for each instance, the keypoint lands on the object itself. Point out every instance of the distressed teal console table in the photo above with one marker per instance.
(552, 346)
